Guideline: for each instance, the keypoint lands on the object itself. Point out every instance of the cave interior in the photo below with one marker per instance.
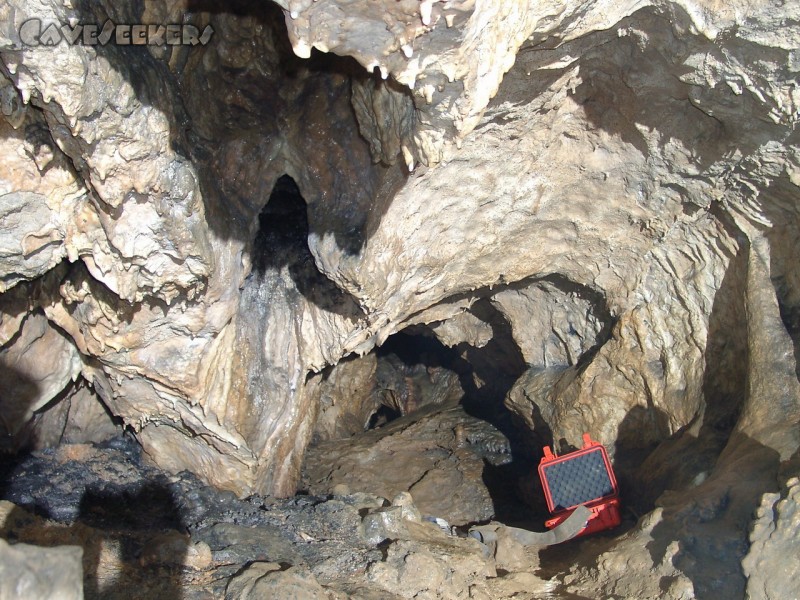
(279, 308)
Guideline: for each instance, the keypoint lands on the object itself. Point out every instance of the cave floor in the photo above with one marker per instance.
(148, 534)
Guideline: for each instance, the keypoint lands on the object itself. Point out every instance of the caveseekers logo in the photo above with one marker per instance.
(34, 32)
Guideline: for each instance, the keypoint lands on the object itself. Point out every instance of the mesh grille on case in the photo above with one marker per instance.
(578, 480)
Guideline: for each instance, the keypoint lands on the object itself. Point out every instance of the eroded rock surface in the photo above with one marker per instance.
(594, 206)
(774, 533)
(567, 164)
(438, 455)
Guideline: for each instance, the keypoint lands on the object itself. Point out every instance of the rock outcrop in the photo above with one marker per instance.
(595, 202)
(438, 455)
(33, 572)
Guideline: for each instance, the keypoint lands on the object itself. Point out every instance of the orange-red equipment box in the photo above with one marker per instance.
(581, 477)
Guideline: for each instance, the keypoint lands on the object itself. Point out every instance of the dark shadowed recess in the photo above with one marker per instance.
(123, 514)
(691, 453)
(241, 127)
(12, 405)
(515, 488)
(288, 111)
(499, 363)
(282, 239)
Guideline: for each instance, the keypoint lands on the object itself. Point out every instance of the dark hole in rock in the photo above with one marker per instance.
(383, 415)
(282, 240)
(485, 374)
(282, 226)
(416, 369)
(447, 402)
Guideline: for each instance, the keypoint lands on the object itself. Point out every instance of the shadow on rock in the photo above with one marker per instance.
(704, 530)
(129, 555)
(130, 529)
(18, 394)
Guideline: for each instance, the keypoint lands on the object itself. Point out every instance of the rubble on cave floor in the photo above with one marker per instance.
(147, 534)
(144, 533)
(443, 456)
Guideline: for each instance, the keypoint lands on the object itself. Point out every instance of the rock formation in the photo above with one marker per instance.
(593, 205)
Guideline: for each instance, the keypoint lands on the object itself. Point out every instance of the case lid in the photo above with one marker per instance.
(578, 477)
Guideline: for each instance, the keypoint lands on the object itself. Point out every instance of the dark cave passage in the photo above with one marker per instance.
(413, 361)
(282, 240)
(485, 374)
(416, 373)
(282, 227)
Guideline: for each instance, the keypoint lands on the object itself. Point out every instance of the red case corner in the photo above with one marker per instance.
(583, 477)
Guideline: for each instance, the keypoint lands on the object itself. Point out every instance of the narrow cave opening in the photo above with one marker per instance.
(415, 369)
(282, 226)
(485, 374)
(475, 459)
(281, 240)
(509, 450)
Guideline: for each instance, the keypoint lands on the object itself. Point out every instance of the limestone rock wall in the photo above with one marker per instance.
(771, 536)
(619, 183)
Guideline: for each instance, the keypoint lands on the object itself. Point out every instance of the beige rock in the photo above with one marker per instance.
(389, 523)
(37, 193)
(645, 155)
(553, 327)
(512, 556)
(415, 455)
(346, 398)
(37, 366)
(30, 243)
(34, 572)
(646, 381)
(270, 580)
(773, 534)
(522, 585)
(446, 569)
(450, 89)
(463, 327)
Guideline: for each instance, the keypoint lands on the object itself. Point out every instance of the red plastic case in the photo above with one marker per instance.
(584, 477)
